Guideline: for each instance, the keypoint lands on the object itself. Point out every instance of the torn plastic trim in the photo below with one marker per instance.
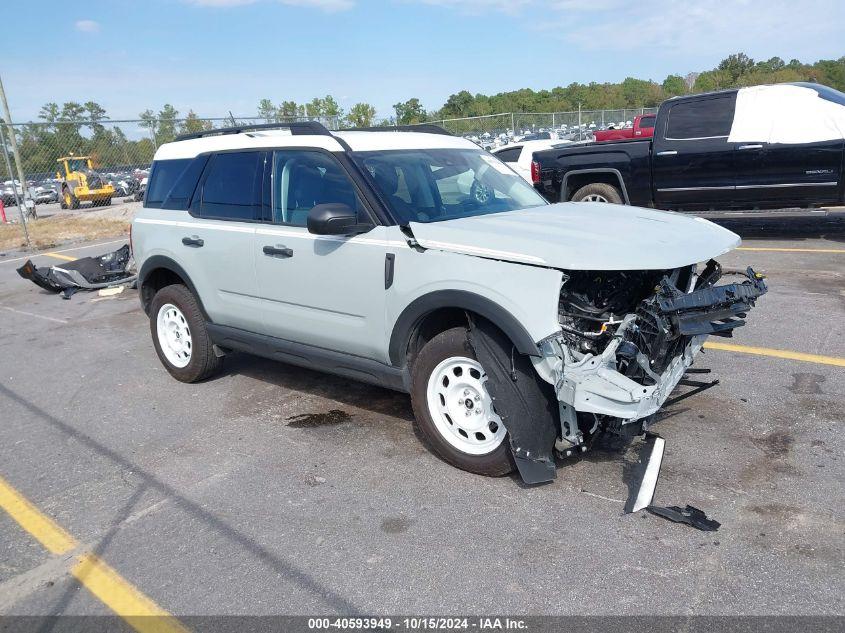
(592, 384)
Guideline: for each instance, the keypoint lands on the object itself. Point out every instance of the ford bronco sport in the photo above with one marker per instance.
(417, 261)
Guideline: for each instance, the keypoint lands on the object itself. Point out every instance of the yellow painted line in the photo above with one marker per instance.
(57, 256)
(777, 353)
(41, 527)
(139, 612)
(114, 591)
(787, 250)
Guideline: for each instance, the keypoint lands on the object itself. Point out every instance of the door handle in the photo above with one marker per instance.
(278, 251)
(193, 241)
(750, 147)
(668, 152)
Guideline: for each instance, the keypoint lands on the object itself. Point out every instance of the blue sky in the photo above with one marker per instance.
(219, 55)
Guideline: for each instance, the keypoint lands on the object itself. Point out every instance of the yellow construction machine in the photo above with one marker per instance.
(81, 183)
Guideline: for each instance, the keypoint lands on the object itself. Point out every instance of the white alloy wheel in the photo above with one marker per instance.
(174, 335)
(593, 197)
(461, 408)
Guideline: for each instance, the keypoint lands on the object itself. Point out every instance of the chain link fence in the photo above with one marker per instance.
(565, 125)
(121, 151)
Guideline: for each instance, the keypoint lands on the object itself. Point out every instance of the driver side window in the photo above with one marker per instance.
(304, 179)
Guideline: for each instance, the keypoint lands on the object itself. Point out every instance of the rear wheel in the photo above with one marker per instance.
(598, 192)
(70, 201)
(180, 337)
(453, 410)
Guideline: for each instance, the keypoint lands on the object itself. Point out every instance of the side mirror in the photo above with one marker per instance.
(333, 218)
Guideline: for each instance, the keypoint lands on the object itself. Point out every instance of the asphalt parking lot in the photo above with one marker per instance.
(275, 490)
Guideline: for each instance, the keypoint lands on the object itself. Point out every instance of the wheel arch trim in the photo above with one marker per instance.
(159, 262)
(414, 313)
(597, 170)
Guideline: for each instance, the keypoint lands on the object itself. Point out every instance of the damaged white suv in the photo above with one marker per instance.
(416, 261)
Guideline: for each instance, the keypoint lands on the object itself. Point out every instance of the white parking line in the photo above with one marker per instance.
(37, 316)
(66, 250)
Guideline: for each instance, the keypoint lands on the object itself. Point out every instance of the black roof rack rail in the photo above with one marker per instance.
(428, 128)
(297, 128)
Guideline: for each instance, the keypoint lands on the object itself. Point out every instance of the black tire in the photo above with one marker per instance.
(74, 202)
(598, 189)
(203, 362)
(445, 345)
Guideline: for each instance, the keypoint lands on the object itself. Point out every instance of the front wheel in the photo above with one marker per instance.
(453, 410)
(180, 337)
(598, 192)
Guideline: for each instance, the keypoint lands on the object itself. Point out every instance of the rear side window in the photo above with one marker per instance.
(701, 119)
(647, 121)
(163, 176)
(510, 155)
(179, 197)
(232, 188)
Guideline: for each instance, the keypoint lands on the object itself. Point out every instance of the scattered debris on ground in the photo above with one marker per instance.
(689, 515)
(111, 291)
(86, 273)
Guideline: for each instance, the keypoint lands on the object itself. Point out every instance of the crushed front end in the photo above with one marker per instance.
(628, 337)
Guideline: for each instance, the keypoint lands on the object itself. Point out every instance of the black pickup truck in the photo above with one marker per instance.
(690, 163)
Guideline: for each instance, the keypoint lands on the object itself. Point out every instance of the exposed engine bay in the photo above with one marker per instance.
(628, 337)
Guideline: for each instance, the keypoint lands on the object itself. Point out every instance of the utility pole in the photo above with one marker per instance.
(14, 143)
(18, 201)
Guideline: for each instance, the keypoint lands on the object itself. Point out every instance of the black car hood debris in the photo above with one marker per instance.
(86, 273)
(689, 515)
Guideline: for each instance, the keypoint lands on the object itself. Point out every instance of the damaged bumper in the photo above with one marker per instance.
(649, 353)
(614, 376)
(593, 384)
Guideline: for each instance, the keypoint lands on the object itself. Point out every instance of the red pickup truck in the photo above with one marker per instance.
(643, 128)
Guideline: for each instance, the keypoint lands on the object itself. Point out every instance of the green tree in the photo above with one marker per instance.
(167, 123)
(460, 105)
(674, 85)
(193, 124)
(361, 115)
(289, 110)
(267, 111)
(736, 65)
(409, 112)
(49, 112)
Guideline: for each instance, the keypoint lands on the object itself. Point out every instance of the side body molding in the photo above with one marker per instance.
(413, 314)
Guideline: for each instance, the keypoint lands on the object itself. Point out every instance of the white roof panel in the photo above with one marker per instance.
(244, 140)
(372, 141)
(358, 141)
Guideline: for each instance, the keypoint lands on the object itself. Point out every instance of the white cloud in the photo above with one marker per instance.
(695, 28)
(328, 6)
(699, 28)
(220, 3)
(480, 6)
(87, 26)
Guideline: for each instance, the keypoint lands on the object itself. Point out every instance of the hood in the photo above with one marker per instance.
(582, 236)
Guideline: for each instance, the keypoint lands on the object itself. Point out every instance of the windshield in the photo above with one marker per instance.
(430, 185)
(77, 164)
